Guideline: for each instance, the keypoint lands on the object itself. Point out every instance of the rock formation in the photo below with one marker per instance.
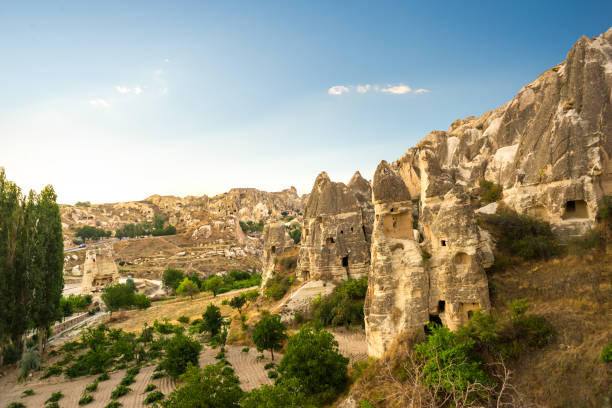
(276, 241)
(336, 239)
(549, 148)
(99, 269)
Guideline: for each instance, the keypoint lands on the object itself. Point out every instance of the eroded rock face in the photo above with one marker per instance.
(99, 269)
(549, 147)
(276, 242)
(335, 239)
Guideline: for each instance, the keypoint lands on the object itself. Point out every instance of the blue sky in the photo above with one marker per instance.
(116, 100)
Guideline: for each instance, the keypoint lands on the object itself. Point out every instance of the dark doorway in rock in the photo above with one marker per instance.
(273, 249)
(365, 235)
(443, 242)
(345, 261)
(576, 209)
(441, 306)
(470, 314)
(433, 320)
(305, 275)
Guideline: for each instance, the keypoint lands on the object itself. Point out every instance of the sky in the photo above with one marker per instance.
(117, 100)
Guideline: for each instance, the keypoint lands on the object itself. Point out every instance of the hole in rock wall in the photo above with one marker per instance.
(398, 246)
(461, 258)
(273, 249)
(397, 225)
(441, 306)
(432, 319)
(470, 313)
(342, 232)
(443, 242)
(351, 229)
(345, 261)
(330, 240)
(576, 209)
(305, 275)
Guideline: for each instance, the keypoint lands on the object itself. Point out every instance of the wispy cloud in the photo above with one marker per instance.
(399, 89)
(337, 90)
(99, 103)
(166, 59)
(127, 90)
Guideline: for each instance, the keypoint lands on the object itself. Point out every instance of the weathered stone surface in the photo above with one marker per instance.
(276, 241)
(99, 268)
(335, 239)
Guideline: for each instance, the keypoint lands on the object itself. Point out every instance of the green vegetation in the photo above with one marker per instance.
(606, 354)
(231, 281)
(212, 321)
(15, 405)
(30, 361)
(145, 228)
(237, 302)
(183, 319)
(27, 393)
(150, 387)
(31, 264)
(522, 236)
(122, 296)
(120, 391)
(296, 235)
(86, 399)
(187, 288)
(312, 358)
(92, 387)
(269, 333)
(114, 404)
(250, 226)
(342, 307)
(83, 204)
(180, 352)
(87, 232)
(172, 278)
(56, 396)
(211, 387)
(154, 397)
(490, 192)
(74, 303)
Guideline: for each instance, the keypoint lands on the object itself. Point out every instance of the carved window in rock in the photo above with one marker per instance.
(461, 259)
(397, 225)
(305, 275)
(273, 249)
(345, 261)
(441, 306)
(443, 242)
(576, 209)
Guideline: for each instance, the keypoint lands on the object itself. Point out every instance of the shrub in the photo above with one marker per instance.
(133, 371)
(187, 288)
(287, 394)
(114, 404)
(245, 349)
(220, 355)
(30, 361)
(183, 319)
(127, 380)
(92, 387)
(120, 391)
(104, 377)
(86, 399)
(180, 351)
(272, 374)
(250, 226)
(288, 262)
(269, 366)
(56, 396)
(11, 353)
(154, 396)
(277, 286)
(172, 278)
(15, 405)
(344, 306)
(27, 393)
(150, 387)
(451, 362)
(50, 371)
(141, 301)
(296, 235)
(490, 192)
(158, 374)
(313, 359)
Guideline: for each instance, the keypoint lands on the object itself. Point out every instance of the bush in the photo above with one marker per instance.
(11, 353)
(183, 319)
(296, 235)
(180, 351)
(87, 232)
(220, 355)
(277, 286)
(288, 262)
(187, 288)
(250, 226)
(159, 374)
(490, 192)
(153, 397)
(104, 377)
(56, 396)
(114, 404)
(312, 358)
(15, 405)
(172, 278)
(150, 387)
(272, 374)
(344, 306)
(269, 366)
(231, 281)
(52, 370)
(92, 387)
(141, 301)
(30, 361)
(245, 349)
(86, 399)
(287, 394)
(121, 390)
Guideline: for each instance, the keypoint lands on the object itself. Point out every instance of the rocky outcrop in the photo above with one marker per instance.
(549, 148)
(276, 240)
(99, 269)
(336, 239)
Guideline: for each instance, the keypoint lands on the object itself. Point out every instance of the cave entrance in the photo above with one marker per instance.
(432, 319)
(272, 249)
(305, 275)
(345, 264)
(441, 306)
(576, 209)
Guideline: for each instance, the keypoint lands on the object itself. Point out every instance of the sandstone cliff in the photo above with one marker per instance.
(549, 148)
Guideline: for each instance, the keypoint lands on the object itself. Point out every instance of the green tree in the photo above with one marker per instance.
(172, 278)
(180, 351)
(287, 394)
(211, 387)
(451, 363)
(237, 302)
(187, 288)
(213, 284)
(118, 296)
(48, 282)
(158, 222)
(212, 320)
(313, 359)
(129, 282)
(269, 333)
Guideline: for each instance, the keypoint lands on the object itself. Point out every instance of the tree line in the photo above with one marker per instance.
(157, 228)
(31, 264)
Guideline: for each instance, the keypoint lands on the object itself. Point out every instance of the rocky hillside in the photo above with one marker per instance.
(209, 237)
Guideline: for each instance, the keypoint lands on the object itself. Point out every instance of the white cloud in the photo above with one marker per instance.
(127, 90)
(337, 90)
(397, 89)
(421, 90)
(166, 59)
(99, 103)
(363, 88)
(158, 71)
